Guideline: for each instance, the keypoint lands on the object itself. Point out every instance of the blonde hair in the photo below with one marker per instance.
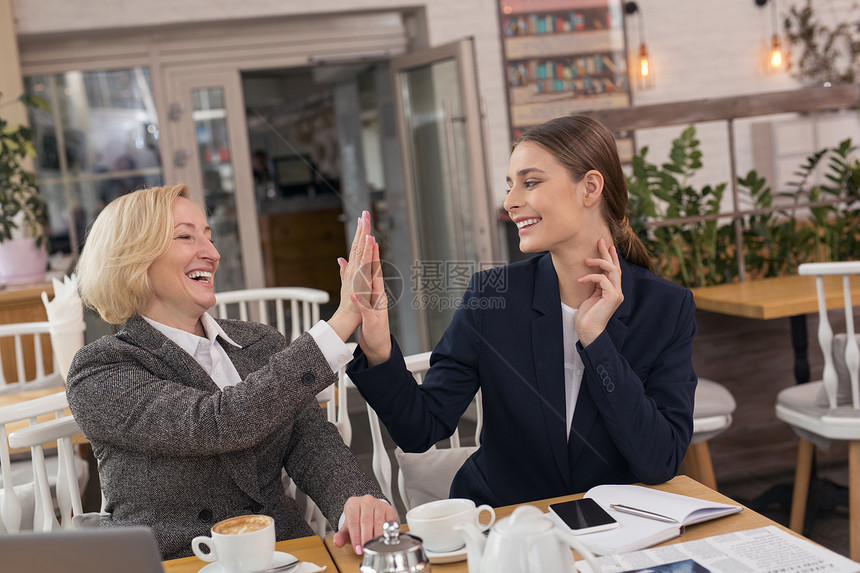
(131, 233)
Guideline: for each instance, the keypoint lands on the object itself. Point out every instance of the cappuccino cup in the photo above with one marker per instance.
(242, 544)
(434, 522)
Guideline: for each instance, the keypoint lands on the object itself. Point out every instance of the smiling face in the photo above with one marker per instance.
(182, 278)
(549, 208)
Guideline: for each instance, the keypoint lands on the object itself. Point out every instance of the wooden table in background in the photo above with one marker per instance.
(780, 297)
(348, 562)
(309, 549)
(23, 396)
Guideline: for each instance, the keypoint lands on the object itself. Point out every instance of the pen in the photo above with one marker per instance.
(641, 513)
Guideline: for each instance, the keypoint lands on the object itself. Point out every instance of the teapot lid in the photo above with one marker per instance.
(394, 551)
(525, 520)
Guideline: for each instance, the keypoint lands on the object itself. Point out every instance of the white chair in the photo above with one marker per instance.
(18, 342)
(27, 495)
(712, 415)
(302, 304)
(426, 476)
(815, 422)
(303, 307)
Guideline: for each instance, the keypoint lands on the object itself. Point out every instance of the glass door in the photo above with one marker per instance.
(209, 151)
(444, 165)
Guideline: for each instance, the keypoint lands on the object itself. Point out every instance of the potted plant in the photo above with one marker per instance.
(23, 244)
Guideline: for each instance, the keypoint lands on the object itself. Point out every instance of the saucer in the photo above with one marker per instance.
(446, 556)
(279, 558)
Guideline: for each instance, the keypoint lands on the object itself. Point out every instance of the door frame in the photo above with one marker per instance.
(182, 158)
(462, 52)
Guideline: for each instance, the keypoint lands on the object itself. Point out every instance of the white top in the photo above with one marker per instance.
(209, 354)
(573, 366)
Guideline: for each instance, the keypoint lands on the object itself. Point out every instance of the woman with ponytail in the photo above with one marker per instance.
(582, 354)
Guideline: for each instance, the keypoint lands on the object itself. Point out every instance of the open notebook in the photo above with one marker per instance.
(634, 532)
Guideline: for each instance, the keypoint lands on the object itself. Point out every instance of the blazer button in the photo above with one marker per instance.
(205, 515)
(255, 507)
(308, 379)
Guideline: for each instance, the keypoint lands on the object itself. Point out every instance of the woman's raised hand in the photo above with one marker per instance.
(374, 335)
(347, 317)
(595, 312)
(362, 296)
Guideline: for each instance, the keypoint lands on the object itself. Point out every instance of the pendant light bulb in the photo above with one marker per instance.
(644, 64)
(776, 57)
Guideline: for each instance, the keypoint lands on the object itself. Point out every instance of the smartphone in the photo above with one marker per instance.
(583, 516)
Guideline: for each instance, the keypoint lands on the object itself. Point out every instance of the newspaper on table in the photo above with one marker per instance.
(762, 550)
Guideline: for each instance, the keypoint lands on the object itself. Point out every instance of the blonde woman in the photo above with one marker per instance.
(192, 418)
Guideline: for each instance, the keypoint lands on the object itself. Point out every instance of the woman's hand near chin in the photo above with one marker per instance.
(595, 312)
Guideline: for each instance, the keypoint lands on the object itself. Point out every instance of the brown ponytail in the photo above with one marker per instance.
(582, 143)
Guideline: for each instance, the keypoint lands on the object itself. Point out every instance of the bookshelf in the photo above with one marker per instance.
(562, 57)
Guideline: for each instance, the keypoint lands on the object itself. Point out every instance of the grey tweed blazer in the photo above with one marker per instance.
(177, 454)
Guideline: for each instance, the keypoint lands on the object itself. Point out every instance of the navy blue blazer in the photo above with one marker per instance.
(634, 412)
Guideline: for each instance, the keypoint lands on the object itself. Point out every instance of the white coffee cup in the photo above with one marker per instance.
(434, 522)
(242, 544)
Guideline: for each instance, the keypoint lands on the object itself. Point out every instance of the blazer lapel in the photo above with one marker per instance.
(242, 464)
(548, 355)
(189, 372)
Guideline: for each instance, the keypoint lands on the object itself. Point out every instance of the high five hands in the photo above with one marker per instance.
(363, 293)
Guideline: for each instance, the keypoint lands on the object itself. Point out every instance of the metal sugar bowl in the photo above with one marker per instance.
(394, 552)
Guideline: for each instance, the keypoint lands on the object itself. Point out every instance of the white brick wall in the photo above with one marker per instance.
(704, 49)
(699, 49)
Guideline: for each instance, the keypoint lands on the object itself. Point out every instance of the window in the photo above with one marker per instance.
(98, 141)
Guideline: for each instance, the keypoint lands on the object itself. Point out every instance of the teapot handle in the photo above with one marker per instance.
(577, 545)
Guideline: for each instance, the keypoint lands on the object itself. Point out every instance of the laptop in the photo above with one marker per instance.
(102, 550)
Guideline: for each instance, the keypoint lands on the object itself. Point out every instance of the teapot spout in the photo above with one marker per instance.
(475, 542)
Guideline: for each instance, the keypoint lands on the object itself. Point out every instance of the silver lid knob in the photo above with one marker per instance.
(391, 532)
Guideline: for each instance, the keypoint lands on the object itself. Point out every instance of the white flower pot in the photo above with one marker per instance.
(22, 262)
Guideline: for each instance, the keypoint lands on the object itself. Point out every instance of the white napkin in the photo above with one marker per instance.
(308, 567)
(66, 317)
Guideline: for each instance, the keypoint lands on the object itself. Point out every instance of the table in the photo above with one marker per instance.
(779, 297)
(348, 562)
(305, 548)
(794, 297)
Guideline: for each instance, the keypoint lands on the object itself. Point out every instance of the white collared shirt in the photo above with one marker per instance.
(573, 365)
(212, 357)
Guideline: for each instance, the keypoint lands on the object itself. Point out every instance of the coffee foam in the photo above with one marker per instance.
(242, 524)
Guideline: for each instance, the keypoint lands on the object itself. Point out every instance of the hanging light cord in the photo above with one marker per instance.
(774, 17)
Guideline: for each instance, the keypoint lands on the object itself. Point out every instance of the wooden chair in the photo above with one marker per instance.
(712, 415)
(425, 476)
(65, 473)
(814, 409)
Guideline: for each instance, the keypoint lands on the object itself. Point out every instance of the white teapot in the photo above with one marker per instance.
(526, 541)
